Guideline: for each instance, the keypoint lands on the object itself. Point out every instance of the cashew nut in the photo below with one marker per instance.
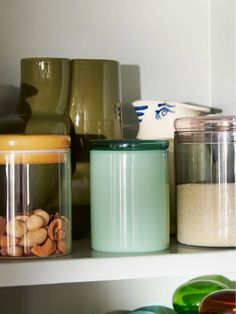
(54, 227)
(32, 238)
(16, 251)
(34, 222)
(6, 241)
(42, 213)
(22, 218)
(3, 223)
(60, 235)
(62, 246)
(16, 228)
(47, 249)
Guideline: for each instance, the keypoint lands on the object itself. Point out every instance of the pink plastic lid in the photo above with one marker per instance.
(206, 123)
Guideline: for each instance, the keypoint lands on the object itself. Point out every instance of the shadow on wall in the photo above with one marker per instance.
(131, 91)
(9, 96)
(13, 114)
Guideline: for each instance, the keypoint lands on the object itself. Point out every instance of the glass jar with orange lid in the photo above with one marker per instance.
(35, 195)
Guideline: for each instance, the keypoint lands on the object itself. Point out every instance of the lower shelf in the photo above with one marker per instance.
(86, 265)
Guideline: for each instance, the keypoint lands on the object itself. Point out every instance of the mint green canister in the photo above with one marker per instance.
(129, 195)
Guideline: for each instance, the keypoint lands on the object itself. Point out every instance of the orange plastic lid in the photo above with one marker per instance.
(12, 142)
(17, 148)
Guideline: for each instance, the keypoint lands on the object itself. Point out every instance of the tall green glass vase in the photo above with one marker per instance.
(44, 95)
(44, 107)
(95, 110)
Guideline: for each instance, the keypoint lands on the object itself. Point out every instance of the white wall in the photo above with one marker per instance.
(223, 55)
(181, 50)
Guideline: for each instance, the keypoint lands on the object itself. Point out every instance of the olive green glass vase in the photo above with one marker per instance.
(95, 110)
(44, 95)
(44, 107)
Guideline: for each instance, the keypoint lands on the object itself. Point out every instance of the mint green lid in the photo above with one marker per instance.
(129, 145)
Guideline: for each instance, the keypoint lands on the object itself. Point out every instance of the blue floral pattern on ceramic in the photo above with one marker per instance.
(139, 111)
(163, 110)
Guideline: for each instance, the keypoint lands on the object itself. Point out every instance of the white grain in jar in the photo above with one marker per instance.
(207, 214)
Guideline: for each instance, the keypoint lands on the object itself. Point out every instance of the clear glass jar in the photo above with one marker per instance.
(35, 195)
(129, 195)
(205, 156)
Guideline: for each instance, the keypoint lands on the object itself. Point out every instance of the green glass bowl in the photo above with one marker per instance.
(187, 297)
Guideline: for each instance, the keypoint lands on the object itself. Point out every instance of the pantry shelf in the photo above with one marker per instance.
(86, 265)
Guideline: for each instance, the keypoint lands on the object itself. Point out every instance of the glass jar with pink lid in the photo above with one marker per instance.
(205, 156)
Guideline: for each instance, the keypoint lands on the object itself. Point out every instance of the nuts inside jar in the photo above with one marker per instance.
(34, 235)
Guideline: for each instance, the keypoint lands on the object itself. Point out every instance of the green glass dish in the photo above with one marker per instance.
(187, 297)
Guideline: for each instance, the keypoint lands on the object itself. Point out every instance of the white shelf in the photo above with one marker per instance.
(85, 265)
